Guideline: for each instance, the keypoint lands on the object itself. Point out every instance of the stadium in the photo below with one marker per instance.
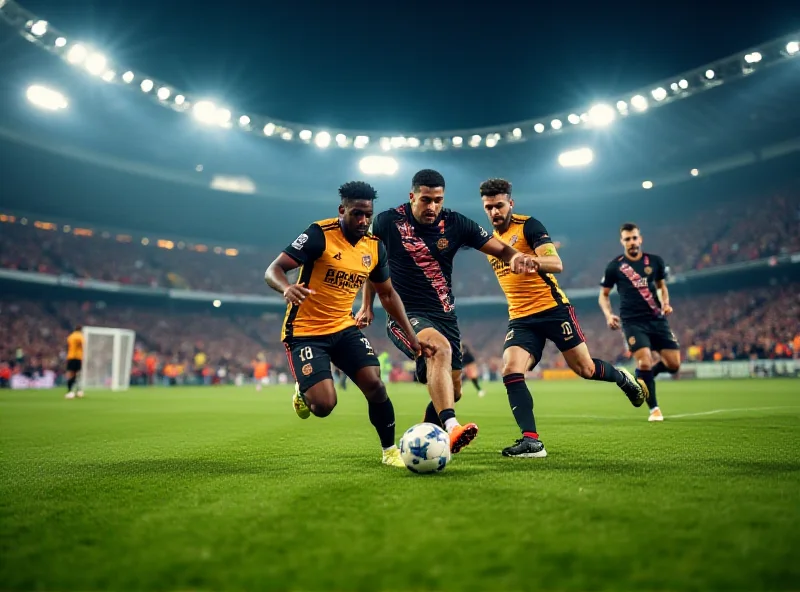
(143, 209)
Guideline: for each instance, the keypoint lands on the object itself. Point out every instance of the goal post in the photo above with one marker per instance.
(107, 358)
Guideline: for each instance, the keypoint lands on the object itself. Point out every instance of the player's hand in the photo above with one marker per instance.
(522, 263)
(613, 322)
(667, 310)
(364, 317)
(296, 294)
(422, 348)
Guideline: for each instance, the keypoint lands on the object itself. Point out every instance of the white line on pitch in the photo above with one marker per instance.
(715, 411)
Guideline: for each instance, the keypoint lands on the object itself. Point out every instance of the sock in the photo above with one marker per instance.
(70, 384)
(431, 416)
(476, 383)
(521, 402)
(605, 372)
(382, 417)
(448, 419)
(533, 435)
(649, 380)
(661, 367)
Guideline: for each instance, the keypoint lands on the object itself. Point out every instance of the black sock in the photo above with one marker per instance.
(521, 401)
(431, 416)
(445, 415)
(382, 417)
(476, 383)
(661, 367)
(649, 380)
(70, 384)
(605, 372)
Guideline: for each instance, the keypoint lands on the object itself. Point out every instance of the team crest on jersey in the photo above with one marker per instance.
(442, 244)
(631, 340)
(366, 260)
(307, 370)
(510, 335)
(513, 240)
(648, 270)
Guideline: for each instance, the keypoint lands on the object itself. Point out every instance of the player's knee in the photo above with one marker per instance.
(321, 401)
(374, 391)
(673, 365)
(584, 369)
(514, 367)
(444, 353)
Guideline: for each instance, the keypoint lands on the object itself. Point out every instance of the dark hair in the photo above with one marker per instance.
(628, 227)
(427, 178)
(78, 327)
(492, 187)
(355, 190)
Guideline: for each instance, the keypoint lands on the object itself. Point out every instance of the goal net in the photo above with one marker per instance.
(107, 358)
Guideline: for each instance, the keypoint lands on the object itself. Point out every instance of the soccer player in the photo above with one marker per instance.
(336, 257)
(422, 238)
(538, 310)
(639, 276)
(74, 361)
(471, 368)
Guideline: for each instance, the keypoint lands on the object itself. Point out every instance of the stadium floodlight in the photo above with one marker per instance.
(674, 87)
(792, 47)
(458, 141)
(398, 142)
(475, 140)
(223, 117)
(39, 28)
(287, 135)
(147, 85)
(361, 141)
(647, 185)
(622, 106)
(574, 118)
(269, 129)
(683, 83)
(378, 165)
(413, 142)
(385, 143)
(244, 121)
(710, 74)
(516, 132)
(46, 98)
(207, 113)
(538, 128)
(556, 124)
(163, 93)
(217, 303)
(659, 94)
(76, 54)
(639, 103)
(60, 42)
(305, 135)
(601, 115)
(694, 172)
(322, 140)
(128, 77)
(109, 75)
(107, 358)
(180, 99)
(96, 64)
(753, 57)
(576, 158)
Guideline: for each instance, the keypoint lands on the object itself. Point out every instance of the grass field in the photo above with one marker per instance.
(226, 489)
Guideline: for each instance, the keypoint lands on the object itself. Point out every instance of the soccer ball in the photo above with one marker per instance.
(425, 448)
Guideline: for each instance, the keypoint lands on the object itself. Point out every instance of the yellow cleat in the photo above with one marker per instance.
(299, 403)
(392, 458)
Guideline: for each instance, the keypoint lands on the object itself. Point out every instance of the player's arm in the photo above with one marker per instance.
(306, 248)
(604, 300)
(661, 284)
(546, 254)
(366, 314)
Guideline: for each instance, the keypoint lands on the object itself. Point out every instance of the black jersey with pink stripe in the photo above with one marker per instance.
(421, 255)
(636, 284)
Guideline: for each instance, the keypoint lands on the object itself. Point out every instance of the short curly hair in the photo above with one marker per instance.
(427, 178)
(357, 190)
(492, 187)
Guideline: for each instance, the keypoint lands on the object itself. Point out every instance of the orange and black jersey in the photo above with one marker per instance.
(527, 293)
(75, 346)
(335, 270)
(636, 284)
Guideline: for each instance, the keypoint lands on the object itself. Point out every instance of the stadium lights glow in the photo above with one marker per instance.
(46, 98)
(574, 118)
(622, 106)
(180, 100)
(694, 172)
(361, 141)
(491, 140)
(385, 143)
(128, 77)
(647, 185)
(60, 42)
(659, 94)
(269, 129)
(147, 85)
(458, 141)
(287, 135)
(76, 54)
(538, 128)
(109, 75)
(378, 165)
(683, 83)
(556, 124)
(438, 144)
(217, 303)
(753, 58)
(710, 74)
(322, 140)
(475, 140)
(516, 132)
(39, 28)
(305, 135)
(576, 158)
(413, 142)
(398, 142)
(341, 140)
(96, 64)
(792, 47)
(244, 120)
(207, 112)
(639, 103)
(163, 93)
(602, 115)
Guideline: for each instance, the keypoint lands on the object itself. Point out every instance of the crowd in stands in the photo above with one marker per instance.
(713, 236)
(175, 346)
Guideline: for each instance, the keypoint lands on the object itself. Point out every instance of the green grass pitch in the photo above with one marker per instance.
(226, 489)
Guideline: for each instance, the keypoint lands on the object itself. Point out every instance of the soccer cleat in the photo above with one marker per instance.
(299, 403)
(481, 393)
(526, 447)
(392, 458)
(461, 436)
(634, 388)
(79, 394)
(656, 415)
(69, 395)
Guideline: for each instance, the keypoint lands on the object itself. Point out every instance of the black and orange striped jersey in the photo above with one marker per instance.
(527, 293)
(75, 346)
(335, 270)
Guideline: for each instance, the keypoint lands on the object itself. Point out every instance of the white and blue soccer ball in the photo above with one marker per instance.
(425, 448)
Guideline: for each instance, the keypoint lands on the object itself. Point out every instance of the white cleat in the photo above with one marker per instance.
(481, 393)
(79, 394)
(69, 395)
(656, 415)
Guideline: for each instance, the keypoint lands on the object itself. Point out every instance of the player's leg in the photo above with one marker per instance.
(663, 341)
(310, 365)
(584, 365)
(353, 355)
(471, 372)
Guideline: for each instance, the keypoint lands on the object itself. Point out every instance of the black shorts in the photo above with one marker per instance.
(74, 365)
(310, 357)
(467, 359)
(559, 325)
(447, 327)
(651, 333)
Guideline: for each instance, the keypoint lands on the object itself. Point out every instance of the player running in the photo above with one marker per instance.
(74, 361)
(538, 310)
(336, 257)
(471, 368)
(421, 239)
(642, 314)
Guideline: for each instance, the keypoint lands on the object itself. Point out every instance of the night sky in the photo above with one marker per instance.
(412, 66)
